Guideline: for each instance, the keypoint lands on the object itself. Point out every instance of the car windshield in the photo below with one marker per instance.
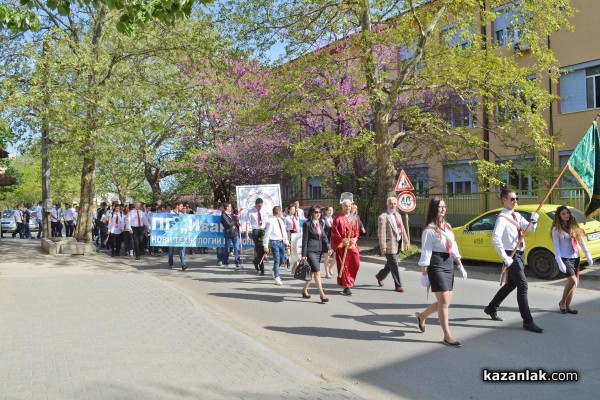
(7, 213)
(579, 215)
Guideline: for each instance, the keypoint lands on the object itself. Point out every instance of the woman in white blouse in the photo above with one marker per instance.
(567, 236)
(438, 255)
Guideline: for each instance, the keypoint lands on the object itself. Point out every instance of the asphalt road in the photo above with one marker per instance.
(371, 340)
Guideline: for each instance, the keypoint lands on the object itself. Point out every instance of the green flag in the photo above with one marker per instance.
(584, 164)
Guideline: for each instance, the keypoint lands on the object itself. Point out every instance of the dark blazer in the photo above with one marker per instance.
(310, 239)
(229, 225)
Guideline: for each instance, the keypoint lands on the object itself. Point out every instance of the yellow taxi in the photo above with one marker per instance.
(475, 239)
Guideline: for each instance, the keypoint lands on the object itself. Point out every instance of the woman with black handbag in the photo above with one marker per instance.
(314, 243)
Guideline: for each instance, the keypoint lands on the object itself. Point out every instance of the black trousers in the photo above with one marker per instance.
(391, 265)
(516, 279)
(19, 230)
(138, 240)
(115, 243)
(259, 250)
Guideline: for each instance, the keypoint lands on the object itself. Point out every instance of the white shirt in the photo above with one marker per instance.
(38, 212)
(117, 223)
(252, 218)
(563, 247)
(434, 239)
(506, 235)
(54, 215)
(275, 231)
(68, 215)
(137, 218)
(289, 223)
(126, 223)
(300, 213)
(18, 216)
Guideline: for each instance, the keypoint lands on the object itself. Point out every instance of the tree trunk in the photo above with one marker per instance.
(87, 207)
(153, 177)
(386, 172)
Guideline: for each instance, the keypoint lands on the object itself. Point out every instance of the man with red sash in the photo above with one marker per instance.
(344, 235)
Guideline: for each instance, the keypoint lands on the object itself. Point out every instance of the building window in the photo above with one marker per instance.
(292, 190)
(580, 88)
(419, 177)
(315, 191)
(520, 176)
(592, 87)
(461, 179)
(505, 27)
(570, 185)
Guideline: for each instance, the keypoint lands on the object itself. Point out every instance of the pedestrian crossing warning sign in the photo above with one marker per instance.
(403, 183)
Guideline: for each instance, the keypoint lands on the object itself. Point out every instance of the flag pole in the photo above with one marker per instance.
(512, 255)
(504, 266)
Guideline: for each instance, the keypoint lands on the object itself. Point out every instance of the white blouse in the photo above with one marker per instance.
(563, 247)
(434, 239)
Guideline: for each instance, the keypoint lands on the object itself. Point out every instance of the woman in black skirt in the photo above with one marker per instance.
(314, 243)
(567, 237)
(438, 254)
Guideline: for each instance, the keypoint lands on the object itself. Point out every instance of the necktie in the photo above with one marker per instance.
(518, 227)
(574, 244)
(448, 244)
(318, 229)
(117, 221)
(259, 219)
(294, 228)
(398, 225)
(139, 219)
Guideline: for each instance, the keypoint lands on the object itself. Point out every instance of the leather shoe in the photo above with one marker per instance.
(493, 315)
(532, 327)
(421, 326)
(399, 290)
(571, 311)
(380, 283)
(452, 344)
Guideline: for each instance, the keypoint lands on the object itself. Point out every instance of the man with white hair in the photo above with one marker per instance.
(392, 237)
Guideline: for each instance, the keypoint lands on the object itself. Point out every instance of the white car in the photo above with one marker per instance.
(9, 225)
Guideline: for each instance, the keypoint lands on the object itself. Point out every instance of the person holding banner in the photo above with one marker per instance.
(257, 220)
(566, 235)
(344, 236)
(439, 252)
(230, 222)
(276, 238)
(177, 210)
(507, 234)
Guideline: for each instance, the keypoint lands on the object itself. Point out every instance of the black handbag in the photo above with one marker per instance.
(302, 271)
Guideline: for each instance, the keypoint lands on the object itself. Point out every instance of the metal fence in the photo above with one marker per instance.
(461, 207)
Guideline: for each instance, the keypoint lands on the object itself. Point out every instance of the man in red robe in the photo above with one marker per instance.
(344, 235)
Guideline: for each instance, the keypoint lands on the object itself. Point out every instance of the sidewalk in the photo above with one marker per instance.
(94, 328)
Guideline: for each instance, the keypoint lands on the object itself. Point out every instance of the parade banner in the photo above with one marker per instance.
(189, 230)
(246, 197)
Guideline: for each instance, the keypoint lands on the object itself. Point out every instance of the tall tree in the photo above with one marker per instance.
(431, 64)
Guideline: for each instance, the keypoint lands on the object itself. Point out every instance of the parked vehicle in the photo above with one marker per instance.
(475, 239)
(9, 225)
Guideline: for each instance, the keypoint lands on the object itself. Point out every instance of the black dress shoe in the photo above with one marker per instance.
(421, 326)
(571, 311)
(305, 295)
(324, 300)
(347, 292)
(532, 327)
(452, 344)
(492, 314)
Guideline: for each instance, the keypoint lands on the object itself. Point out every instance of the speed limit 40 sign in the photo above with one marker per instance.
(407, 201)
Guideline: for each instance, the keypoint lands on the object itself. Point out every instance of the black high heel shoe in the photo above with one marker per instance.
(305, 295)
(324, 299)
